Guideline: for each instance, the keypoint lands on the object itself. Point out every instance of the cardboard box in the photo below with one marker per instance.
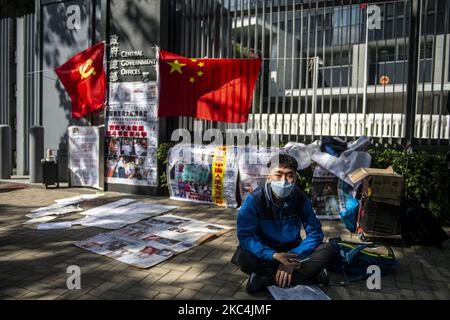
(386, 185)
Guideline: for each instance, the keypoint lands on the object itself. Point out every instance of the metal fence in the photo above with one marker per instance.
(340, 68)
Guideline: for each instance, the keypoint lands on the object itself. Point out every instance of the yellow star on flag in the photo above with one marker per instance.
(201, 64)
(194, 60)
(200, 73)
(176, 66)
(191, 79)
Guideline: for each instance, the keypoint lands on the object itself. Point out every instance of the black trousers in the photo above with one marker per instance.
(324, 255)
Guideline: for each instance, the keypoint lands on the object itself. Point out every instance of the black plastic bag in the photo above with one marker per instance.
(419, 226)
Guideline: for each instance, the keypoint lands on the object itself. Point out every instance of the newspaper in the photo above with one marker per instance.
(299, 292)
(149, 242)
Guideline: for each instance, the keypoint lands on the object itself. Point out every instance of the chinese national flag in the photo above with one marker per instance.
(210, 89)
(83, 76)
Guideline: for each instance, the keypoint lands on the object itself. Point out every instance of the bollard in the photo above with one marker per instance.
(36, 153)
(5, 152)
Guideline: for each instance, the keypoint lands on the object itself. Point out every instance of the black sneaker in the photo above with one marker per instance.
(257, 283)
(323, 278)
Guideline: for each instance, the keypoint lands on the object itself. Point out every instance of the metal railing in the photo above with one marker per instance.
(340, 68)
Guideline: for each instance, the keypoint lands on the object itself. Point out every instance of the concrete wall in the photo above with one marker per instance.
(6, 60)
(27, 75)
(59, 43)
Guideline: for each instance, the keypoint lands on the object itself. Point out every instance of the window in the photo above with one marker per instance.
(338, 59)
(426, 50)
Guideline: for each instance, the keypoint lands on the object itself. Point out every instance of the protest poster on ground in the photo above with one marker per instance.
(85, 164)
(209, 176)
(149, 242)
(132, 134)
(324, 194)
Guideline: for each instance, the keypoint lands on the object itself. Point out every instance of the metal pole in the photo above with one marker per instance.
(366, 62)
(36, 153)
(315, 78)
(5, 152)
(413, 56)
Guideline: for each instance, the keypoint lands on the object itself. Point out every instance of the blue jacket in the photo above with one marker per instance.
(262, 226)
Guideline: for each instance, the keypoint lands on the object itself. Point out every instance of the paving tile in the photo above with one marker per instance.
(33, 263)
(186, 294)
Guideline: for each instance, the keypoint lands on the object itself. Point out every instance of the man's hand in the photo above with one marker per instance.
(284, 259)
(283, 278)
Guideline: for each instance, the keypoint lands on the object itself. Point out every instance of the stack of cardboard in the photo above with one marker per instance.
(383, 190)
(383, 185)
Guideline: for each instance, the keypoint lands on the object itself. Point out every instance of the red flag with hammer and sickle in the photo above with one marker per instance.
(83, 76)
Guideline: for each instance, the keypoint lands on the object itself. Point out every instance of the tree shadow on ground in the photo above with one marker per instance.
(33, 264)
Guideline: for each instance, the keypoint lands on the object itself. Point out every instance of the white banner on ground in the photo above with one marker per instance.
(120, 213)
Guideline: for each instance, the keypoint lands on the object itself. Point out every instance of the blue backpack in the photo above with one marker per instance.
(357, 257)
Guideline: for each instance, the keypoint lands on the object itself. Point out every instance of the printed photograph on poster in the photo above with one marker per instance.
(140, 147)
(324, 194)
(127, 146)
(253, 169)
(129, 92)
(210, 179)
(131, 168)
(132, 134)
(113, 145)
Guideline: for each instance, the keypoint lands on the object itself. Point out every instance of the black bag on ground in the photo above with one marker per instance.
(419, 226)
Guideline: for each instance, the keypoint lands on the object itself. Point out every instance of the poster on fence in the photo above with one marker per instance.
(85, 165)
(132, 134)
(253, 169)
(208, 175)
(149, 242)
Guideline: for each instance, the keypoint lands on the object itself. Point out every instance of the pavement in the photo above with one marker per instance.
(33, 264)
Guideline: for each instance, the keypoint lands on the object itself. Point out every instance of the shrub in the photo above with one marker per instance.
(427, 178)
(162, 153)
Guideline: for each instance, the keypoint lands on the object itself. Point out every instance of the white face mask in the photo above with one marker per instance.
(282, 189)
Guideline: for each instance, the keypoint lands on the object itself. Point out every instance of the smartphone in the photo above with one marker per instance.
(299, 261)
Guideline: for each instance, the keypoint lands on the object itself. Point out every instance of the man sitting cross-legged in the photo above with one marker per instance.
(268, 228)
